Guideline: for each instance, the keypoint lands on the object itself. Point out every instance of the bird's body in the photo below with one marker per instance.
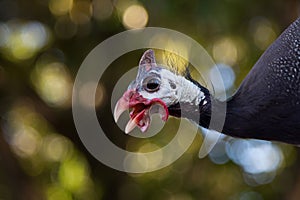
(266, 105)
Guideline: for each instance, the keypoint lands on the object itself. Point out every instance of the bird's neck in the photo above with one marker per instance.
(198, 105)
(194, 103)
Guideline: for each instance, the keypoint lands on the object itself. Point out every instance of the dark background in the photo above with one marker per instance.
(42, 45)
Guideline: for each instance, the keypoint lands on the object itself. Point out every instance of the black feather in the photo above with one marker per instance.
(267, 104)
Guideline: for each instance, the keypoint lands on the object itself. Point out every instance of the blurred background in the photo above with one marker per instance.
(42, 45)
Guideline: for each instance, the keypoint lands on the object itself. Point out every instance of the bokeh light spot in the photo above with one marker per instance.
(143, 161)
(153, 160)
(227, 74)
(73, 174)
(102, 9)
(60, 7)
(135, 16)
(263, 32)
(86, 91)
(255, 156)
(22, 40)
(225, 51)
(53, 83)
(81, 12)
(218, 154)
(26, 141)
(56, 147)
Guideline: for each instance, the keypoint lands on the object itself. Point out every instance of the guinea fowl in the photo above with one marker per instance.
(266, 105)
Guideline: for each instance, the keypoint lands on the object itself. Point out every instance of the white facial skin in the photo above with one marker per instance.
(172, 88)
(156, 86)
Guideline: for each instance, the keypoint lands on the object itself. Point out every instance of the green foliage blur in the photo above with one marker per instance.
(42, 45)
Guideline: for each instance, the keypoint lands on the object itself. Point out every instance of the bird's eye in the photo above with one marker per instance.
(152, 85)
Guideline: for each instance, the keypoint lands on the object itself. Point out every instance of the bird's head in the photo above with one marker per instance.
(156, 89)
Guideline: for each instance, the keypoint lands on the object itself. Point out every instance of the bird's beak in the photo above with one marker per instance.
(141, 110)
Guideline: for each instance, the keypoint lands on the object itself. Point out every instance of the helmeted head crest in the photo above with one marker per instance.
(169, 60)
(147, 63)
